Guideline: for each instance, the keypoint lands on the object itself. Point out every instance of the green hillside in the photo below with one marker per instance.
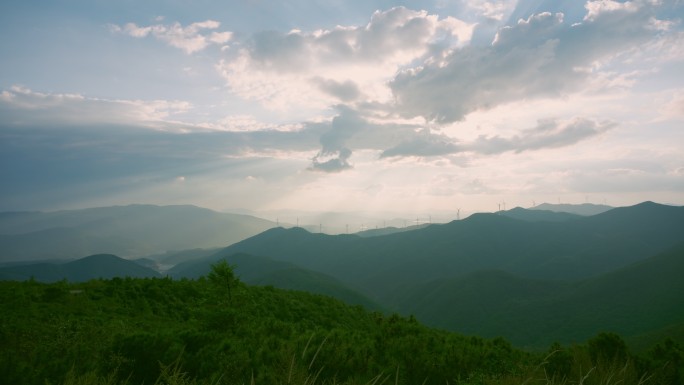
(265, 271)
(644, 297)
(95, 266)
(314, 282)
(220, 331)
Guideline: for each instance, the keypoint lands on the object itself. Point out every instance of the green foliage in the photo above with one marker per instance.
(222, 277)
(161, 331)
(607, 347)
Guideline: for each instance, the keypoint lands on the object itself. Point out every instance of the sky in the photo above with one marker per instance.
(409, 107)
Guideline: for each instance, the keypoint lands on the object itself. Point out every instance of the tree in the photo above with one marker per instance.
(222, 277)
(608, 347)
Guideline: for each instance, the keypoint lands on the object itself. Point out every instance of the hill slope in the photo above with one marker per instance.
(133, 329)
(105, 266)
(264, 271)
(643, 297)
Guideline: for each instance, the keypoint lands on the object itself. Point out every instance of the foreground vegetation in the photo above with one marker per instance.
(216, 330)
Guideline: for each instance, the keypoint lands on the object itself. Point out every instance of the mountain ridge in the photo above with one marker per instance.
(128, 231)
(95, 266)
(557, 250)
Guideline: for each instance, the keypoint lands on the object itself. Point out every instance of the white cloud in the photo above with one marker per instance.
(495, 10)
(191, 38)
(539, 57)
(22, 106)
(598, 7)
(674, 109)
(318, 68)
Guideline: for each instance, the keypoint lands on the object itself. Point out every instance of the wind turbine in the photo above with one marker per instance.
(458, 214)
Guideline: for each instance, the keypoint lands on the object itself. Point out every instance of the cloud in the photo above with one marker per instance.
(495, 10)
(334, 155)
(674, 109)
(423, 144)
(23, 106)
(338, 162)
(541, 56)
(318, 68)
(345, 91)
(397, 35)
(191, 38)
(547, 134)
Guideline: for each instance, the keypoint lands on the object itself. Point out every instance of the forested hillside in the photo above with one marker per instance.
(216, 330)
(643, 297)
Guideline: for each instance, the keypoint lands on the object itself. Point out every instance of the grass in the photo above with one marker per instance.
(583, 372)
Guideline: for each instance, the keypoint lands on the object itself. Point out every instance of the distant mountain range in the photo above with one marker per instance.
(532, 276)
(104, 266)
(127, 231)
(585, 209)
(567, 250)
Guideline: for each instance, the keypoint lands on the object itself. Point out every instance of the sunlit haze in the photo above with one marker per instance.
(418, 108)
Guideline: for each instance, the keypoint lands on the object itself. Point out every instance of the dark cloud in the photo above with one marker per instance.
(541, 56)
(345, 91)
(338, 162)
(334, 154)
(423, 143)
(547, 134)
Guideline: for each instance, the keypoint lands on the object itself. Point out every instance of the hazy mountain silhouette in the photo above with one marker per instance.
(581, 209)
(95, 266)
(573, 249)
(389, 230)
(128, 231)
(539, 215)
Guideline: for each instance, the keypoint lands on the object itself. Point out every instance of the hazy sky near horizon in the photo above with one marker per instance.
(404, 106)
